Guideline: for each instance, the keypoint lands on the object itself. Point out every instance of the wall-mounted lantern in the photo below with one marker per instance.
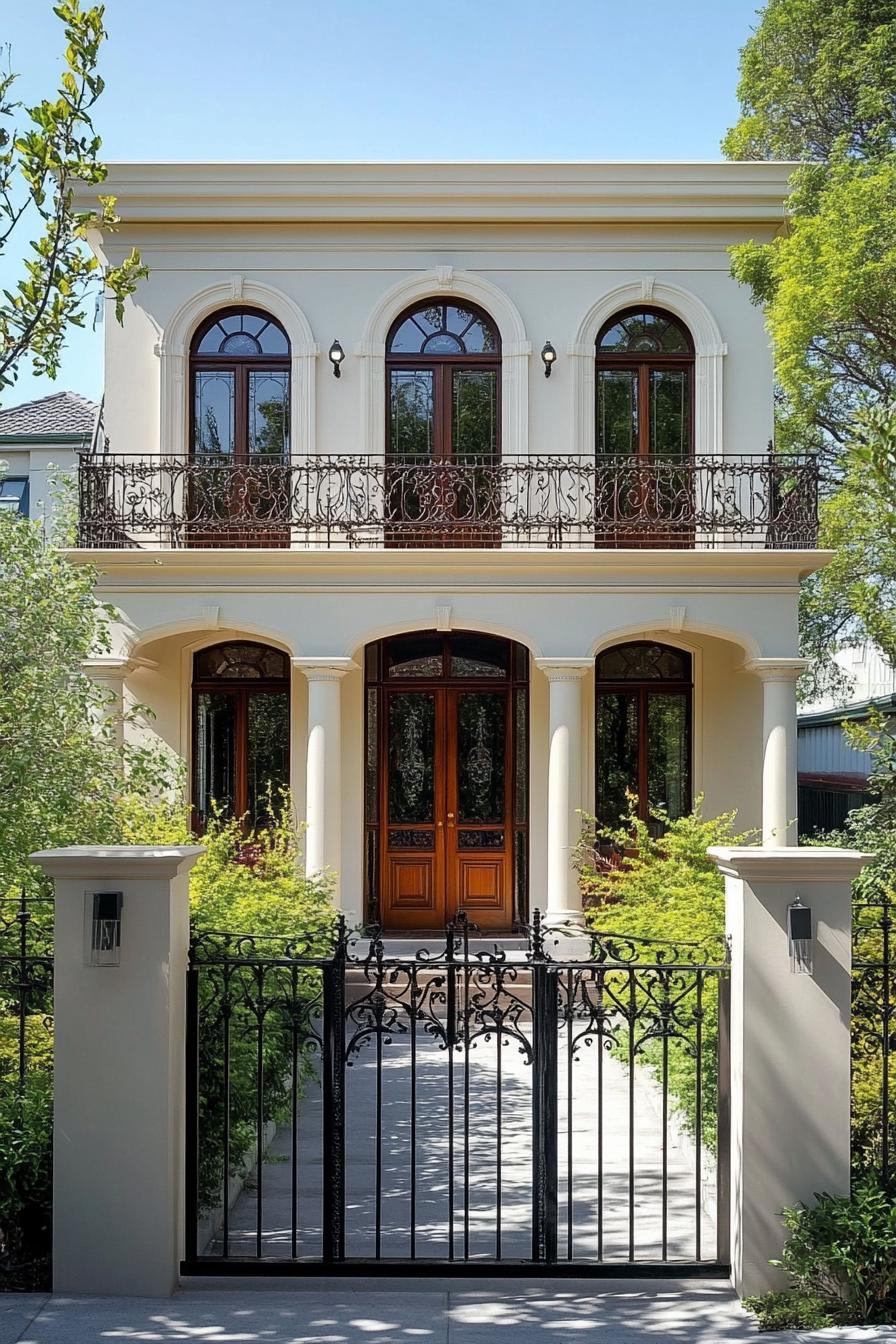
(799, 936)
(548, 358)
(337, 355)
(103, 912)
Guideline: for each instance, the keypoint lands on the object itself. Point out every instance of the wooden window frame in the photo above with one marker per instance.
(643, 365)
(240, 366)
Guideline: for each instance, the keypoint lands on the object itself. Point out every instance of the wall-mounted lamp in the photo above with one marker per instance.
(799, 936)
(548, 358)
(103, 911)
(337, 355)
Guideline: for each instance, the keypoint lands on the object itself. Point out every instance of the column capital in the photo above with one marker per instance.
(777, 669)
(112, 667)
(564, 669)
(317, 668)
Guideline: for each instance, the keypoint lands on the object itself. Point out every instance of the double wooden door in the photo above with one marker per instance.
(446, 832)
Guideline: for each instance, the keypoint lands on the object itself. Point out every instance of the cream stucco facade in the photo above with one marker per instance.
(549, 252)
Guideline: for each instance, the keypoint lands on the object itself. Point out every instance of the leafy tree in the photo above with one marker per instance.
(817, 82)
(64, 777)
(41, 162)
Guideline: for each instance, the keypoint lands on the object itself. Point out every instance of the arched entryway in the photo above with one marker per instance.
(446, 780)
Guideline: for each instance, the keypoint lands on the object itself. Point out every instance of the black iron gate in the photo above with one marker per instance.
(549, 1103)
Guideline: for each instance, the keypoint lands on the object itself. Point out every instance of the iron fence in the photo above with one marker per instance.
(766, 501)
(26, 1089)
(552, 1101)
(874, 1037)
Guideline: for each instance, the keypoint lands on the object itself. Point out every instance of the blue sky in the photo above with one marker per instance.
(409, 79)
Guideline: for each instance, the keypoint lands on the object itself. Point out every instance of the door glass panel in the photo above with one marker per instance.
(411, 413)
(412, 725)
(215, 750)
(481, 735)
(669, 412)
(521, 756)
(474, 420)
(371, 758)
(267, 754)
(269, 413)
(415, 656)
(617, 410)
(617, 754)
(478, 656)
(667, 753)
(213, 412)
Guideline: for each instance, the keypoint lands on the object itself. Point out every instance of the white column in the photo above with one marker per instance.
(564, 897)
(323, 779)
(119, 1071)
(789, 1045)
(779, 787)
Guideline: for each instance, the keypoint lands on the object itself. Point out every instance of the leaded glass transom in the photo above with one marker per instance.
(241, 662)
(242, 334)
(644, 332)
(434, 328)
(643, 662)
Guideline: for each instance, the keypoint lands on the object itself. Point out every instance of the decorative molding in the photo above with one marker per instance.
(515, 352)
(443, 618)
(709, 351)
(792, 863)
(317, 668)
(677, 617)
(211, 617)
(109, 667)
(236, 286)
(647, 284)
(174, 351)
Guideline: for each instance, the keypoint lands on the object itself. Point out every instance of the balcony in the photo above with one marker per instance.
(333, 502)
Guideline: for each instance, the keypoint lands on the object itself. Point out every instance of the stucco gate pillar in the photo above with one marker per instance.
(790, 1044)
(564, 896)
(119, 1071)
(323, 778)
(779, 770)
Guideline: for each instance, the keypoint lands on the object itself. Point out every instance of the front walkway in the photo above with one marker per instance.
(425, 1312)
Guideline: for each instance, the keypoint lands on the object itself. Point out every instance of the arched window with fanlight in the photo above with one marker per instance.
(239, 363)
(240, 730)
(443, 371)
(643, 732)
(645, 385)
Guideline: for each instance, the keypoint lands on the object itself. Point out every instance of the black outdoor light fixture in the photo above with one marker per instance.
(104, 927)
(337, 355)
(548, 356)
(799, 936)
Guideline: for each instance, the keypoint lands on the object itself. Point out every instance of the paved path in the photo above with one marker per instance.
(426, 1312)
(594, 1225)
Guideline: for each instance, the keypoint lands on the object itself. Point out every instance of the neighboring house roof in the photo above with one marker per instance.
(859, 710)
(61, 416)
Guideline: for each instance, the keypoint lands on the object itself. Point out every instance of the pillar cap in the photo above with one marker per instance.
(795, 863)
(777, 669)
(564, 669)
(120, 861)
(321, 668)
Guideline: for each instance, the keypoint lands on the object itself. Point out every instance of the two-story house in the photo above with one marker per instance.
(444, 494)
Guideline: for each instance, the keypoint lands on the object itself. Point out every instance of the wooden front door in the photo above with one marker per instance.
(447, 837)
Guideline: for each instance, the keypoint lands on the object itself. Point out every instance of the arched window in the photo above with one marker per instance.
(239, 371)
(240, 729)
(645, 385)
(444, 372)
(643, 731)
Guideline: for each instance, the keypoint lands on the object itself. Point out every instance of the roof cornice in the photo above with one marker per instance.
(574, 192)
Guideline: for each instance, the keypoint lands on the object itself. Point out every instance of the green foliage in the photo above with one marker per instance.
(64, 777)
(842, 1251)
(251, 885)
(41, 163)
(26, 1132)
(789, 1310)
(817, 82)
(667, 889)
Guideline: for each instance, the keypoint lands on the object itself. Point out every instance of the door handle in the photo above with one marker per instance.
(440, 824)
(450, 816)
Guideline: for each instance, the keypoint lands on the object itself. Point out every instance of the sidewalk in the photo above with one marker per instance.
(424, 1311)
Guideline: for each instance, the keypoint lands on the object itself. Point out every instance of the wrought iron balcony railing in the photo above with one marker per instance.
(768, 501)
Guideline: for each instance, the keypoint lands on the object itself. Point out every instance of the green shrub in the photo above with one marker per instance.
(250, 884)
(666, 888)
(841, 1252)
(789, 1310)
(26, 1182)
